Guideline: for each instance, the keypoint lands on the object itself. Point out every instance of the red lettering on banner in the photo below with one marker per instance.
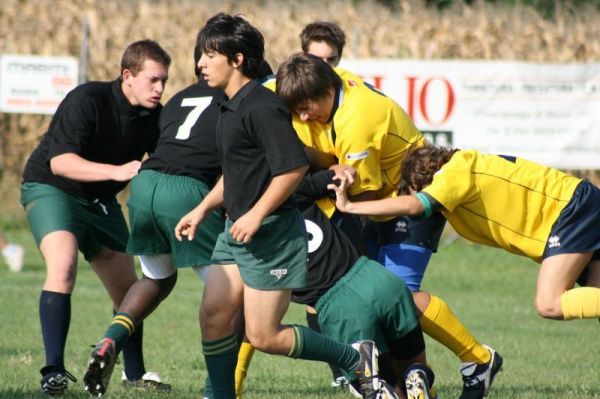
(18, 101)
(47, 103)
(411, 96)
(377, 82)
(64, 81)
(449, 101)
(417, 96)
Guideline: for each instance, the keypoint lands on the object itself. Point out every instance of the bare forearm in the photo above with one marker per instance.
(214, 198)
(74, 167)
(281, 188)
(404, 205)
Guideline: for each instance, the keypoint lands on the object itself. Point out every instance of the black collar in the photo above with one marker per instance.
(234, 103)
(125, 107)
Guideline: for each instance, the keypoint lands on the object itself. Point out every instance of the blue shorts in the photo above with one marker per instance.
(577, 229)
(404, 245)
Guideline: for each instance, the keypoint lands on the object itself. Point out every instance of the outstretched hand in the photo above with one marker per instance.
(341, 196)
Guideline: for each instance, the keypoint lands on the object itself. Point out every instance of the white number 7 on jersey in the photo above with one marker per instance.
(199, 104)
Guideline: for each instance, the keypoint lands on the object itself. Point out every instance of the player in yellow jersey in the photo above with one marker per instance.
(348, 124)
(325, 40)
(508, 202)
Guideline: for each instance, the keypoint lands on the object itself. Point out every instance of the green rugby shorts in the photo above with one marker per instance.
(94, 223)
(157, 201)
(275, 259)
(369, 302)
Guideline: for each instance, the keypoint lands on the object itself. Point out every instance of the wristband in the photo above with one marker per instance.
(426, 204)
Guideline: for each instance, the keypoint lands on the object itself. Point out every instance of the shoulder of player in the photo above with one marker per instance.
(86, 96)
(262, 98)
(90, 90)
(192, 91)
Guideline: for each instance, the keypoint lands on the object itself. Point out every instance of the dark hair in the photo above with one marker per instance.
(305, 77)
(323, 31)
(197, 55)
(231, 34)
(264, 71)
(137, 52)
(421, 163)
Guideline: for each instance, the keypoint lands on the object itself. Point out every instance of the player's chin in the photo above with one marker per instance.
(152, 103)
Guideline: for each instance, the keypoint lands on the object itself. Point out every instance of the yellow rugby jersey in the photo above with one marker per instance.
(313, 135)
(500, 201)
(372, 134)
(369, 132)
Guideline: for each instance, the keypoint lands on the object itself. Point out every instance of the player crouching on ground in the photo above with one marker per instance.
(357, 298)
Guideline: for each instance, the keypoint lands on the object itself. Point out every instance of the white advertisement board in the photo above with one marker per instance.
(549, 113)
(35, 84)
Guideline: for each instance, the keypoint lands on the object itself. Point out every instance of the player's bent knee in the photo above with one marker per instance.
(167, 284)
(261, 343)
(215, 318)
(548, 309)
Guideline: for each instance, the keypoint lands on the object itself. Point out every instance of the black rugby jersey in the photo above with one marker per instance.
(187, 143)
(97, 122)
(256, 142)
(331, 254)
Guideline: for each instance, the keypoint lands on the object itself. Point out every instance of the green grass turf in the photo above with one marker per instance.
(491, 291)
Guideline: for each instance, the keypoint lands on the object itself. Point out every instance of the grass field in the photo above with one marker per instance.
(490, 290)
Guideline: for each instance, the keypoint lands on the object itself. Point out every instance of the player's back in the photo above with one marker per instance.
(187, 142)
(502, 201)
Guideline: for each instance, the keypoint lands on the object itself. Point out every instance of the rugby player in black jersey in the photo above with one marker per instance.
(357, 298)
(262, 161)
(92, 148)
(171, 182)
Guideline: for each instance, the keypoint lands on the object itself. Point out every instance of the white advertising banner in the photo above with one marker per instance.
(549, 113)
(35, 84)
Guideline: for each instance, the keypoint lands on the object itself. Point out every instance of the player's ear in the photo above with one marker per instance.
(126, 75)
(239, 60)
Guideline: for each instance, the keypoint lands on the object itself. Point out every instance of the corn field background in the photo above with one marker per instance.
(388, 29)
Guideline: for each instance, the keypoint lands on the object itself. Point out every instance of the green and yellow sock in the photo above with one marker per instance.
(120, 329)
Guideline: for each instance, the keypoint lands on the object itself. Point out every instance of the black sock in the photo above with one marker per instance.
(55, 317)
(133, 355)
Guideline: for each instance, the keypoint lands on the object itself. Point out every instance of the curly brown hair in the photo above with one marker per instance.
(421, 163)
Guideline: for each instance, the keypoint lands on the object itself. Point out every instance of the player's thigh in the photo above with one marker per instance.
(222, 296)
(116, 271)
(593, 273)
(557, 274)
(59, 250)
(263, 311)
